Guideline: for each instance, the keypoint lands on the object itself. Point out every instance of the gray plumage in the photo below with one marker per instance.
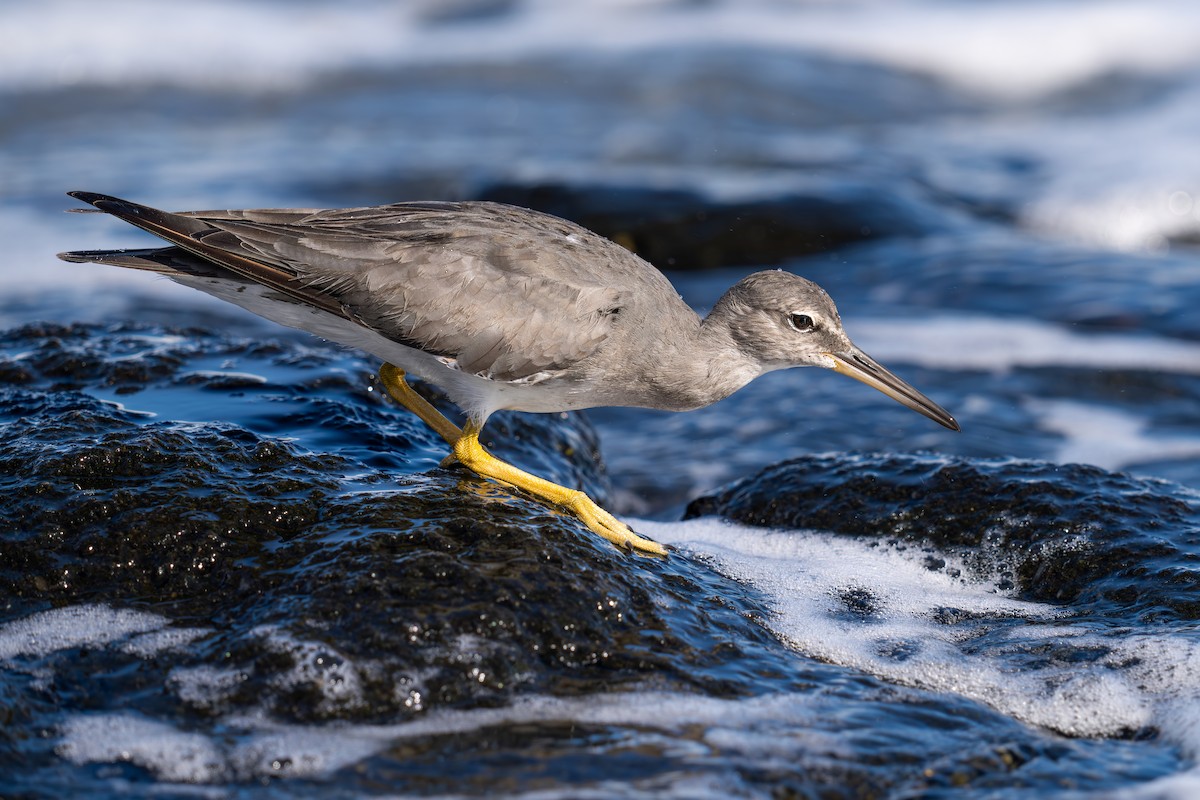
(500, 306)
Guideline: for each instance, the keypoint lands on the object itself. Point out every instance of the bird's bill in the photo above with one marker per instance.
(860, 366)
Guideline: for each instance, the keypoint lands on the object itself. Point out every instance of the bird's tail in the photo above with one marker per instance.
(166, 260)
(163, 260)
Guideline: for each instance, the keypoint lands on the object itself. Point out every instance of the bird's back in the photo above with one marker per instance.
(502, 292)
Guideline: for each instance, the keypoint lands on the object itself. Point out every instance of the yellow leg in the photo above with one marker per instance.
(472, 455)
(393, 380)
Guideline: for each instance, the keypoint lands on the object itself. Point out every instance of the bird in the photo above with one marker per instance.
(502, 308)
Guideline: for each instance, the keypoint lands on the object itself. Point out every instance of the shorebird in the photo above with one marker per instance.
(503, 308)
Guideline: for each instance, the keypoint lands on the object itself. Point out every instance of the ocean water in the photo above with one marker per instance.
(1004, 200)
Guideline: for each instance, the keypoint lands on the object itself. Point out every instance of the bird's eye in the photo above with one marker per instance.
(802, 322)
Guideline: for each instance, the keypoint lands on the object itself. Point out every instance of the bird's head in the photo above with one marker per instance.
(782, 320)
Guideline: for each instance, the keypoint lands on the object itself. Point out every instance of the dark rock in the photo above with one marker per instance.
(309, 570)
(329, 564)
(679, 229)
(1101, 541)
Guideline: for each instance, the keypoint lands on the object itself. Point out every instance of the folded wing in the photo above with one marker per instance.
(492, 287)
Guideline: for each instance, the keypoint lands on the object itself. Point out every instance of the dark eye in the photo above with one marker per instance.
(802, 322)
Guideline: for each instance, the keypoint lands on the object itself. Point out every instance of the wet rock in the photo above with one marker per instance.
(250, 567)
(679, 229)
(1104, 542)
(335, 583)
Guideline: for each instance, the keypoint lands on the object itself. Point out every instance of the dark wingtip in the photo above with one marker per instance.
(74, 258)
(90, 197)
(109, 204)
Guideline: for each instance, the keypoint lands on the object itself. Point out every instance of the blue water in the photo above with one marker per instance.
(1004, 201)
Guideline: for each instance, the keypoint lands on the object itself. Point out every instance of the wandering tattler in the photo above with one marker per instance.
(503, 308)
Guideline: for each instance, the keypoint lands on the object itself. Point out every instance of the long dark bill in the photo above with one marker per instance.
(860, 366)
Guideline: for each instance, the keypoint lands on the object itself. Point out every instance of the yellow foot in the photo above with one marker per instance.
(605, 524)
(472, 455)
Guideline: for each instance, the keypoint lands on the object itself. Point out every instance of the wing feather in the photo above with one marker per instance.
(507, 293)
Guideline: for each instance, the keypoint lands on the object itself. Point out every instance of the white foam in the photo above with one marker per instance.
(315, 665)
(209, 43)
(171, 754)
(1014, 48)
(152, 643)
(787, 729)
(792, 723)
(1107, 437)
(78, 626)
(1126, 181)
(296, 751)
(204, 686)
(999, 344)
(906, 635)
